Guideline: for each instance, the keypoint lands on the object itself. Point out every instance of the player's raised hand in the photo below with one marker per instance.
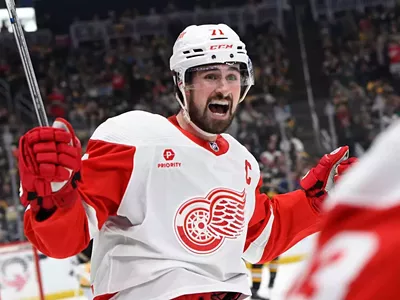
(343, 167)
(320, 179)
(49, 163)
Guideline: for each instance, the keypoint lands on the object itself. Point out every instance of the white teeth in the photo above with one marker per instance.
(220, 102)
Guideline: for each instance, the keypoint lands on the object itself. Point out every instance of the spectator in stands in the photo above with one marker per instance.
(362, 56)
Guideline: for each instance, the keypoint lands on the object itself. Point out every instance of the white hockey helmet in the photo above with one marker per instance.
(202, 45)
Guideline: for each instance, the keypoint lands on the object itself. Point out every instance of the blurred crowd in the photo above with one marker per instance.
(88, 84)
(362, 60)
(58, 15)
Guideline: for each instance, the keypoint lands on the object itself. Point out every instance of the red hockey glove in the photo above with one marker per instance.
(320, 179)
(49, 164)
(343, 167)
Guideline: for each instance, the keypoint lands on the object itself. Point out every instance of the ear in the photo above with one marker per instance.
(187, 94)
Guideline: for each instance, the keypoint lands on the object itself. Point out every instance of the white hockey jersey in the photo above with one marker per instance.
(170, 214)
(356, 253)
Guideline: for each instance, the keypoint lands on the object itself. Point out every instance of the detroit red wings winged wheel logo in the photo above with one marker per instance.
(203, 224)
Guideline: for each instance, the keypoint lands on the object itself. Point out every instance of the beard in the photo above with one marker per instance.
(202, 117)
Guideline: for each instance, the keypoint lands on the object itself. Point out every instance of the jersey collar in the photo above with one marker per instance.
(219, 147)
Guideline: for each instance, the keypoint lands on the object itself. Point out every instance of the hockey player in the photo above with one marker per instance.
(172, 205)
(356, 253)
(257, 279)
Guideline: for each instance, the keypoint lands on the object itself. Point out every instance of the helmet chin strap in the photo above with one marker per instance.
(188, 120)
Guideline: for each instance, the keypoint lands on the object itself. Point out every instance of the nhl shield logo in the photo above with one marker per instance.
(214, 146)
(203, 224)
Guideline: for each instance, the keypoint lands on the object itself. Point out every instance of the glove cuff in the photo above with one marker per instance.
(64, 198)
(317, 201)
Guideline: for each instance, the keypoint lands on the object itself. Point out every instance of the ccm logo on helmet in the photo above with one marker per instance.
(223, 46)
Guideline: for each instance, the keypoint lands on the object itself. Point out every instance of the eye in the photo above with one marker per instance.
(232, 77)
(211, 76)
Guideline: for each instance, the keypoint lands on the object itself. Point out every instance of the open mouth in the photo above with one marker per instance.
(219, 107)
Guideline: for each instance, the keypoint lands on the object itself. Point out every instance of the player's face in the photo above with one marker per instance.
(214, 96)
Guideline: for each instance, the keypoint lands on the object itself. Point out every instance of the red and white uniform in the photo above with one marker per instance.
(171, 214)
(356, 255)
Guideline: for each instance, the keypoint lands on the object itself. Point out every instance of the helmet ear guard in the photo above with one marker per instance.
(179, 96)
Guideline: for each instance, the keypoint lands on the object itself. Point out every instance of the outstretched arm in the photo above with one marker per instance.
(280, 222)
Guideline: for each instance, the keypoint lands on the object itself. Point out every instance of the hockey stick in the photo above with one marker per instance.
(35, 93)
(27, 63)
